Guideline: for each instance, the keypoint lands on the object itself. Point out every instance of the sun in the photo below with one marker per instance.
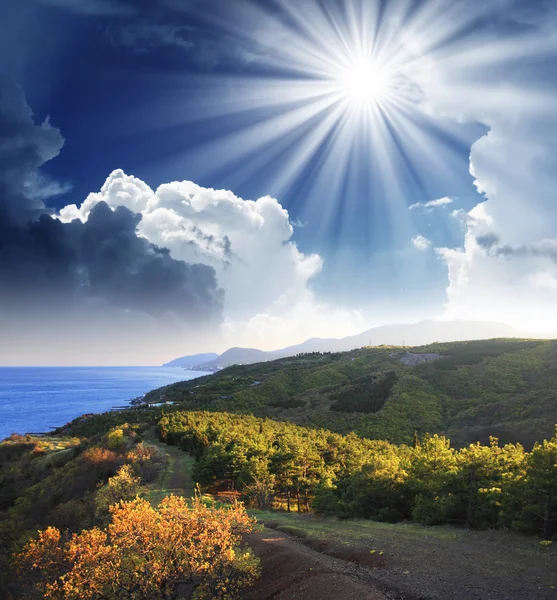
(363, 83)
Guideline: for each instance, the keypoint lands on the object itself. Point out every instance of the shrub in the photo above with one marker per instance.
(145, 552)
(123, 486)
(115, 438)
(147, 461)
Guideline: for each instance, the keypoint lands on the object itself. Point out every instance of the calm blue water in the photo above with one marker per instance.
(33, 399)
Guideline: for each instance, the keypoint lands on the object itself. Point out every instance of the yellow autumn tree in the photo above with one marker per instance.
(123, 486)
(145, 553)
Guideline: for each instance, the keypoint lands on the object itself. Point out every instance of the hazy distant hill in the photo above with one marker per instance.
(240, 356)
(408, 334)
(192, 361)
(501, 387)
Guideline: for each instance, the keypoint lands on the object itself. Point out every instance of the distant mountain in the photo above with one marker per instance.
(409, 334)
(401, 334)
(192, 361)
(240, 356)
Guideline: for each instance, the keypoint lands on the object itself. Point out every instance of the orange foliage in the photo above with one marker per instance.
(144, 553)
(99, 456)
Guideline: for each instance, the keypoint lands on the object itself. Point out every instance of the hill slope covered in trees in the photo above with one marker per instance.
(501, 387)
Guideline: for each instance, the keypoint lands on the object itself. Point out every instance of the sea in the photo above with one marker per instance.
(37, 399)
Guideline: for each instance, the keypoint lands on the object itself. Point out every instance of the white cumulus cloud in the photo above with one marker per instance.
(249, 244)
(429, 206)
(421, 243)
(505, 269)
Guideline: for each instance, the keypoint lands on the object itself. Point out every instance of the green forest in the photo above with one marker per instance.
(475, 390)
(279, 464)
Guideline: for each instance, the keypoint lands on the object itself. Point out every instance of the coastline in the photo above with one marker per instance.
(44, 399)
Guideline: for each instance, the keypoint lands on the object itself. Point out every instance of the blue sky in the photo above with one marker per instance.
(247, 97)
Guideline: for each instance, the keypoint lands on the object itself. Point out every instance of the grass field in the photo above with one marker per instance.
(176, 477)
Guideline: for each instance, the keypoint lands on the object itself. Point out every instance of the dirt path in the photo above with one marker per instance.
(176, 478)
(292, 571)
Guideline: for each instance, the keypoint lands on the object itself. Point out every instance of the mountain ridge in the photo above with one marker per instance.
(397, 334)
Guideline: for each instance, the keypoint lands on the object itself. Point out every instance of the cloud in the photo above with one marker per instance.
(487, 240)
(248, 243)
(101, 259)
(490, 242)
(421, 243)
(24, 147)
(76, 279)
(429, 206)
(505, 268)
(40, 186)
(508, 254)
(502, 77)
(148, 25)
(265, 277)
(459, 214)
(205, 50)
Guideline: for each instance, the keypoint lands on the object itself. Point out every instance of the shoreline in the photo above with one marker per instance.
(41, 400)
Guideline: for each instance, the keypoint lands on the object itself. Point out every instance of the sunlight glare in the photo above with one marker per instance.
(364, 83)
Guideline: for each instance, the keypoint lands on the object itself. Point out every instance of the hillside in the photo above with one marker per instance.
(239, 356)
(69, 484)
(500, 387)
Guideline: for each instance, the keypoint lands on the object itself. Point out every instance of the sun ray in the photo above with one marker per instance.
(335, 111)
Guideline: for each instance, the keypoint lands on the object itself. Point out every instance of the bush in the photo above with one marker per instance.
(147, 461)
(115, 438)
(123, 486)
(145, 552)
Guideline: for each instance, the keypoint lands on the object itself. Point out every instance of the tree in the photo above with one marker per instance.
(257, 482)
(484, 474)
(432, 469)
(144, 554)
(123, 486)
(541, 486)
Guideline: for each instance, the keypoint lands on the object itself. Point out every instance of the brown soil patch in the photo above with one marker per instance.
(360, 556)
(292, 571)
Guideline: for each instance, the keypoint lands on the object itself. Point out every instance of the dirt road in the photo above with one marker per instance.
(292, 571)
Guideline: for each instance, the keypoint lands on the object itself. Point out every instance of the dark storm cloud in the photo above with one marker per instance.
(132, 273)
(24, 147)
(71, 266)
(487, 240)
(490, 242)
